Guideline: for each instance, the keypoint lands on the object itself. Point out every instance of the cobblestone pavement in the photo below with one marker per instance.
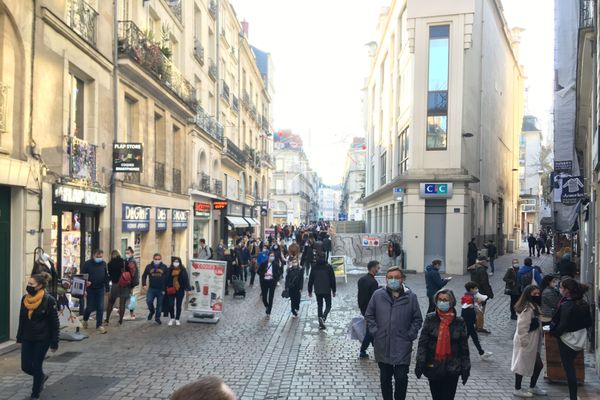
(280, 358)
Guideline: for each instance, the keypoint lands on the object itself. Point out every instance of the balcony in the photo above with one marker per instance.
(198, 51)
(3, 108)
(246, 100)
(235, 104)
(265, 124)
(225, 91)
(235, 153)
(587, 14)
(212, 69)
(212, 8)
(218, 187)
(159, 175)
(267, 159)
(134, 44)
(204, 184)
(177, 181)
(175, 7)
(83, 20)
(81, 157)
(208, 124)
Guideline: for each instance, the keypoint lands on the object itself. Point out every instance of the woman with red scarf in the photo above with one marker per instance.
(443, 352)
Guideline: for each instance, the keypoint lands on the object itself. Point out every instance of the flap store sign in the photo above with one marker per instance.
(74, 195)
(135, 218)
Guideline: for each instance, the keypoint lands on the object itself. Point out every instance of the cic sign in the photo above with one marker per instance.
(436, 190)
(75, 195)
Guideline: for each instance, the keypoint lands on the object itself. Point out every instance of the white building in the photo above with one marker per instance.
(445, 101)
(530, 173)
(353, 187)
(329, 202)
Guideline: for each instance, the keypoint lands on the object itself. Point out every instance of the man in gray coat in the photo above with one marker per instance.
(393, 318)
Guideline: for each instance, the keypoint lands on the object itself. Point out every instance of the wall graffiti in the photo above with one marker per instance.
(350, 245)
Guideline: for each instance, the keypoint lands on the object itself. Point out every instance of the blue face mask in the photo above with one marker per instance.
(98, 260)
(393, 284)
(443, 306)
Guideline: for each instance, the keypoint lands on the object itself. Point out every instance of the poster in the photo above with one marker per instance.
(127, 157)
(207, 278)
(370, 241)
(339, 266)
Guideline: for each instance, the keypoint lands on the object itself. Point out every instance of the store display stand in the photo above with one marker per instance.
(69, 336)
(204, 318)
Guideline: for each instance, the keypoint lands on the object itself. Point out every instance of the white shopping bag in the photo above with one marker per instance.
(357, 328)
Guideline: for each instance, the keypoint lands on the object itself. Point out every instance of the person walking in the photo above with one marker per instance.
(511, 287)
(97, 286)
(177, 284)
(38, 329)
(550, 297)
(531, 242)
(470, 303)
(204, 252)
(308, 255)
(322, 280)
(393, 318)
(569, 326)
(480, 276)
(434, 282)
(133, 266)
(367, 285)
(121, 274)
(492, 253)
(294, 281)
(443, 349)
(528, 275)
(244, 260)
(472, 252)
(268, 273)
(156, 273)
(540, 245)
(527, 343)
(221, 250)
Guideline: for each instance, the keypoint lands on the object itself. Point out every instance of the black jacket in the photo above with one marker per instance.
(157, 276)
(308, 254)
(322, 277)
(472, 252)
(115, 267)
(367, 285)
(262, 270)
(184, 279)
(43, 325)
(567, 268)
(459, 363)
(97, 274)
(571, 316)
(294, 280)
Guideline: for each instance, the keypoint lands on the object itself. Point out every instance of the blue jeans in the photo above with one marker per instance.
(492, 265)
(95, 301)
(32, 358)
(150, 296)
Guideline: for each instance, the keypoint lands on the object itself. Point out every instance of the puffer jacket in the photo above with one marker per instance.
(510, 277)
(294, 280)
(550, 299)
(43, 325)
(459, 363)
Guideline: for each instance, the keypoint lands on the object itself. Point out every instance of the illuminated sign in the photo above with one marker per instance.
(75, 195)
(436, 190)
(219, 205)
(202, 210)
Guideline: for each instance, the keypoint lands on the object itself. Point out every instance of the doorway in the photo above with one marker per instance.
(4, 263)
(435, 231)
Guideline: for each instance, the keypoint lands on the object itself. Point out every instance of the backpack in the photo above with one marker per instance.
(526, 280)
(126, 278)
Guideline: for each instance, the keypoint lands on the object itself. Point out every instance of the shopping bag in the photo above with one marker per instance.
(133, 302)
(357, 328)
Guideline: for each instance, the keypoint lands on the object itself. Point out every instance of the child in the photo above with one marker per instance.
(471, 303)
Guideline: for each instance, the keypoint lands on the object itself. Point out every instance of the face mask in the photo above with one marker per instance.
(537, 300)
(393, 284)
(156, 262)
(176, 264)
(443, 306)
(31, 290)
(271, 259)
(98, 260)
(474, 292)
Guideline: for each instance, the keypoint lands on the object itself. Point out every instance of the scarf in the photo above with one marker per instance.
(31, 303)
(175, 274)
(442, 348)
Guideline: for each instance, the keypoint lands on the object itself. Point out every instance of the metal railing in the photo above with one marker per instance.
(235, 153)
(212, 8)
(134, 44)
(159, 175)
(224, 90)
(82, 159)
(218, 187)
(212, 69)
(587, 14)
(176, 180)
(175, 6)
(199, 51)
(246, 99)
(235, 104)
(83, 20)
(264, 124)
(204, 182)
(208, 124)
(3, 107)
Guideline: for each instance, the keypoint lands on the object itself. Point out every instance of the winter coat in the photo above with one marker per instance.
(480, 276)
(115, 267)
(367, 285)
(566, 267)
(459, 363)
(43, 325)
(536, 277)
(97, 274)
(394, 324)
(157, 276)
(571, 316)
(550, 299)
(263, 268)
(510, 277)
(221, 253)
(492, 251)
(184, 279)
(322, 277)
(433, 280)
(526, 344)
(294, 280)
(531, 241)
(472, 252)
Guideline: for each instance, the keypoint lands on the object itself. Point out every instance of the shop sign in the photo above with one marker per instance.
(235, 209)
(563, 166)
(75, 195)
(219, 205)
(135, 218)
(370, 241)
(261, 203)
(180, 219)
(161, 219)
(201, 210)
(127, 157)
(572, 189)
(436, 190)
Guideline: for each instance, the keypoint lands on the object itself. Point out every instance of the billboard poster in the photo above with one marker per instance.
(339, 266)
(207, 278)
(127, 157)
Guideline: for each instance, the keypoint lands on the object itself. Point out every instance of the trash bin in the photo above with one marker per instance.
(510, 246)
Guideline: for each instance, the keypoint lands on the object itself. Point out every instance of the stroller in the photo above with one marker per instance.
(239, 288)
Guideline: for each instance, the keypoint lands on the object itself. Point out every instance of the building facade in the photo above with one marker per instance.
(444, 113)
(530, 173)
(353, 186)
(329, 202)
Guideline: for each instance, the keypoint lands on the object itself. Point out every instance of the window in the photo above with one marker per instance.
(131, 119)
(76, 107)
(402, 151)
(383, 168)
(372, 177)
(437, 96)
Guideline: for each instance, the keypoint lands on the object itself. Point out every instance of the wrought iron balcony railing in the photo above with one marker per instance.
(265, 124)
(235, 104)
(134, 44)
(199, 51)
(83, 20)
(3, 107)
(82, 159)
(218, 187)
(159, 175)
(225, 90)
(587, 14)
(212, 69)
(212, 8)
(235, 153)
(204, 182)
(175, 6)
(245, 99)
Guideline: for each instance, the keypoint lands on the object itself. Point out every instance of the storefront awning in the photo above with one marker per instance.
(237, 222)
(252, 221)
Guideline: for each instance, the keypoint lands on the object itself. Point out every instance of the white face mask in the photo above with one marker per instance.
(176, 263)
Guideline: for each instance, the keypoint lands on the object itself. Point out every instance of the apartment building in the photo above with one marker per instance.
(353, 187)
(444, 113)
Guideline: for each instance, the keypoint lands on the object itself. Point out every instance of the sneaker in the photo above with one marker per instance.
(294, 316)
(105, 323)
(100, 330)
(538, 392)
(322, 323)
(363, 355)
(84, 324)
(150, 315)
(177, 323)
(158, 321)
(171, 322)
(486, 356)
(491, 274)
(522, 393)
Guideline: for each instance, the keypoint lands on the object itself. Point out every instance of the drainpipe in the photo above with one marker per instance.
(115, 119)
(217, 56)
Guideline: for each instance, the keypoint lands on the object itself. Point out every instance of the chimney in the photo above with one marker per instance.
(245, 28)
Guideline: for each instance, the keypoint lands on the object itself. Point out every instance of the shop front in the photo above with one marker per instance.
(135, 225)
(233, 222)
(250, 215)
(202, 216)
(75, 226)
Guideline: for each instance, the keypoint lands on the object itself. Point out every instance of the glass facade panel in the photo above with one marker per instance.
(437, 96)
(437, 132)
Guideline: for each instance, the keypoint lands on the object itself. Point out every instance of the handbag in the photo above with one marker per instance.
(171, 290)
(285, 294)
(435, 370)
(575, 340)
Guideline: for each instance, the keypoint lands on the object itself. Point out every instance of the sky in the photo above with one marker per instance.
(321, 63)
